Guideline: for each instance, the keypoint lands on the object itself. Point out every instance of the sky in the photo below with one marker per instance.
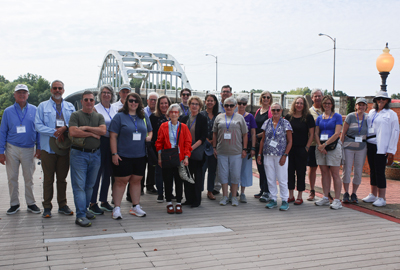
(261, 44)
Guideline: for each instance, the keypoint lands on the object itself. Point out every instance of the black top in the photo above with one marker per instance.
(155, 124)
(201, 126)
(260, 119)
(300, 129)
(210, 124)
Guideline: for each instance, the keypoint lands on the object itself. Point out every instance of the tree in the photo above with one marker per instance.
(351, 103)
(395, 96)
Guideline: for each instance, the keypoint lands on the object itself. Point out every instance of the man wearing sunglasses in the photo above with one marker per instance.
(226, 91)
(185, 95)
(85, 155)
(51, 121)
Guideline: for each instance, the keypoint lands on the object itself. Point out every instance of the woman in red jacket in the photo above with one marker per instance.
(167, 138)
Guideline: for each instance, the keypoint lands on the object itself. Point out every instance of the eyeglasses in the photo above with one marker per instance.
(195, 104)
(225, 92)
(57, 88)
(267, 97)
(229, 105)
(380, 98)
(185, 95)
(133, 100)
(242, 103)
(88, 99)
(153, 99)
(106, 93)
(275, 110)
(174, 112)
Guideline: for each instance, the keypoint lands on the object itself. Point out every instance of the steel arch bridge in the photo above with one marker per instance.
(159, 72)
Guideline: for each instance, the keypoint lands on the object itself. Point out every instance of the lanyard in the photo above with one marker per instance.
(275, 129)
(134, 121)
(108, 112)
(26, 111)
(222, 106)
(375, 116)
(183, 109)
(193, 122)
(59, 114)
(358, 123)
(315, 111)
(226, 121)
(177, 126)
(326, 121)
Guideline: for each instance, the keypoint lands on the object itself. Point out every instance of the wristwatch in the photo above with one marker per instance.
(285, 155)
(113, 154)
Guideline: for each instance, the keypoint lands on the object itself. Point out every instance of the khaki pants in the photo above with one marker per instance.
(59, 165)
(14, 157)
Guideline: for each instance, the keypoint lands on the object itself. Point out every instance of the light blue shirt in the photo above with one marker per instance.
(45, 121)
(9, 123)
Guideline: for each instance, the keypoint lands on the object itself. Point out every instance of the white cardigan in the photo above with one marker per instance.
(386, 128)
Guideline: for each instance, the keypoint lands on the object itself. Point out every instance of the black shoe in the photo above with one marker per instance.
(215, 192)
(195, 205)
(128, 198)
(142, 192)
(187, 203)
(346, 198)
(65, 210)
(258, 195)
(83, 222)
(90, 215)
(46, 213)
(354, 198)
(13, 209)
(95, 209)
(105, 206)
(34, 209)
(160, 198)
(151, 191)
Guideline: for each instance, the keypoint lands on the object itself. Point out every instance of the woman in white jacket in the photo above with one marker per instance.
(383, 135)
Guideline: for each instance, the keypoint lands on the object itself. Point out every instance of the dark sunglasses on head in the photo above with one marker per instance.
(185, 95)
(57, 88)
(380, 98)
(133, 100)
(229, 105)
(267, 97)
(242, 103)
(275, 110)
(88, 99)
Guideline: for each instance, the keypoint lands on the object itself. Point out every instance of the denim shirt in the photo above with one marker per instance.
(45, 121)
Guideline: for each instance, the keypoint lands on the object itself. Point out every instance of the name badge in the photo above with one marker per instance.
(371, 130)
(21, 129)
(60, 123)
(358, 139)
(227, 136)
(273, 144)
(137, 136)
(324, 137)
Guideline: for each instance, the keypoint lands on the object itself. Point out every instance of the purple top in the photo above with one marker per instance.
(251, 123)
(280, 137)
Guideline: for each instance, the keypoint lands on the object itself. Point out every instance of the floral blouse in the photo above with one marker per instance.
(275, 145)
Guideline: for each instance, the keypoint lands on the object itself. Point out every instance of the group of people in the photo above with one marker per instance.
(111, 143)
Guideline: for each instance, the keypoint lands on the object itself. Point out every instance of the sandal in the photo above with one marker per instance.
(211, 196)
(298, 201)
(170, 209)
(291, 200)
(178, 209)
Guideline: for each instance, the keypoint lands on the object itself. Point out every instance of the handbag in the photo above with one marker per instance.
(331, 146)
(198, 153)
(170, 157)
(151, 155)
(184, 173)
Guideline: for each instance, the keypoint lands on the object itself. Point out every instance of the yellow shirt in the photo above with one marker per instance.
(315, 113)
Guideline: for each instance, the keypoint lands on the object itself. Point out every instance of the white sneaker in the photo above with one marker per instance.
(137, 211)
(324, 201)
(379, 202)
(370, 198)
(116, 214)
(224, 201)
(336, 204)
(235, 201)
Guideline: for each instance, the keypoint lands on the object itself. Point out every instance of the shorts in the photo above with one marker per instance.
(332, 158)
(130, 166)
(312, 161)
(229, 169)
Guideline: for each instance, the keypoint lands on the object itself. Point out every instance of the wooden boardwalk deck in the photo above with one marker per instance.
(305, 237)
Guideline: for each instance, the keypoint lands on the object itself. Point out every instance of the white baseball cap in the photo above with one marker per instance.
(21, 87)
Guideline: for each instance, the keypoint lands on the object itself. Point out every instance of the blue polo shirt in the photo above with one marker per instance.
(14, 117)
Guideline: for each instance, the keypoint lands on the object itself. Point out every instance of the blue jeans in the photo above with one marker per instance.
(84, 169)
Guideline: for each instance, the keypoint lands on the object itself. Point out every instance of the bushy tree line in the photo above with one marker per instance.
(39, 90)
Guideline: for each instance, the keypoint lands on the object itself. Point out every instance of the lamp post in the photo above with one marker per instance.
(216, 70)
(384, 64)
(334, 59)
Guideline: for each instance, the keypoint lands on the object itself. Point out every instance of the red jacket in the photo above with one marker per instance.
(185, 140)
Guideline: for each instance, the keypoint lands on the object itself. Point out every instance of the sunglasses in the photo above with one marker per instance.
(185, 95)
(88, 99)
(242, 103)
(133, 100)
(174, 112)
(380, 98)
(57, 88)
(229, 105)
(267, 97)
(275, 110)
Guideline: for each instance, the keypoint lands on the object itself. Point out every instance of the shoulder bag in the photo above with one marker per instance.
(170, 157)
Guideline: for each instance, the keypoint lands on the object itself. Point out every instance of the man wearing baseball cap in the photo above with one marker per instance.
(124, 90)
(18, 138)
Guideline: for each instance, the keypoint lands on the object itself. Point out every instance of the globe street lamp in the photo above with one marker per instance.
(384, 64)
(216, 70)
(334, 60)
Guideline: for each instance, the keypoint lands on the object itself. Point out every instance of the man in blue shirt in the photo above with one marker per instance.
(17, 140)
(51, 121)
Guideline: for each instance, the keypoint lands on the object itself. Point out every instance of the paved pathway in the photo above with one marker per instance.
(248, 237)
